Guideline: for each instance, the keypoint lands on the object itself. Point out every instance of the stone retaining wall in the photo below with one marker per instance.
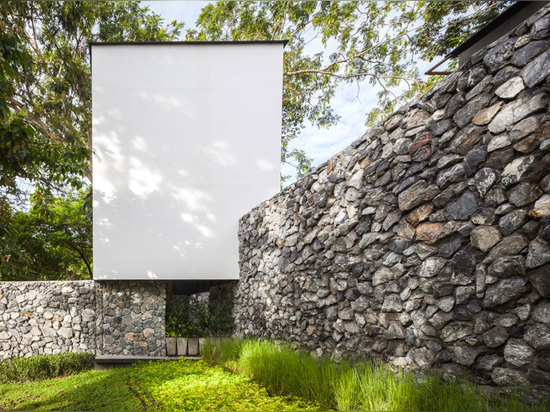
(131, 318)
(46, 317)
(426, 242)
(107, 318)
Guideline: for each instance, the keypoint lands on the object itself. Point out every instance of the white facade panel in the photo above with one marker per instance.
(186, 139)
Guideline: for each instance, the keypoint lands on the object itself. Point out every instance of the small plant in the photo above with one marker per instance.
(40, 367)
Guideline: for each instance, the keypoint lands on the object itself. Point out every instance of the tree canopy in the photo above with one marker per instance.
(371, 43)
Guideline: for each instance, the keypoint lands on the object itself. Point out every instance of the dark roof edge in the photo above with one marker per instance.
(489, 27)
(201, 42)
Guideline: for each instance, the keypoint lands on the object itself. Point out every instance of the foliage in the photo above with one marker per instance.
(167, 385)
(45, 125)
(348, 385)
(41, 367)
(187, 317)
(53, 240)
(45, 87)
(375, 43)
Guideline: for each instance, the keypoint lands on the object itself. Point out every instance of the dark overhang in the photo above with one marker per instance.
(508, 20)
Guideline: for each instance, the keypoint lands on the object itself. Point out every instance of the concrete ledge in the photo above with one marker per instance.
(113, 361)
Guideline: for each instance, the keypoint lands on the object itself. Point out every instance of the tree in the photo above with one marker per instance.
(372, 42)
(53, 240)
(45, 126)
(45, 83)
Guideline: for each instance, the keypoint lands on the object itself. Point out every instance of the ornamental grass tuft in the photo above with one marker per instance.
(354, 385)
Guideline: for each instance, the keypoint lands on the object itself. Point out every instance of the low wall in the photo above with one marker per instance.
(426, 242)
(46, 317)
(107, 318)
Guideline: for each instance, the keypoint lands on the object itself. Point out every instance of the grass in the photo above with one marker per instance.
(44, 366)
(347, 386)
(165, 385)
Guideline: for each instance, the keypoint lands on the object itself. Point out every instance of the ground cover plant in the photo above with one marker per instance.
(349, 385)
(165, 385)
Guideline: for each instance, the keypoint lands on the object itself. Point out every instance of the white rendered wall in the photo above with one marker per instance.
(186, 140)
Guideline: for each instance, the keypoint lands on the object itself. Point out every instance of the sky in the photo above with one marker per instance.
(350, 102)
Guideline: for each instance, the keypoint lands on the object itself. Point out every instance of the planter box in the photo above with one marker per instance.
(182, 346)
(170, 346)
(193, 346)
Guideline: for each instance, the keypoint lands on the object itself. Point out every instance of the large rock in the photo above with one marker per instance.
(485, 237)
(431, 267)
(504, 291)
(523, 194)
(542, 313)
(541, 208)
(538, 336)
(538, 254)
(417, 194)
(537, 70)
(517, 110)
(518, 353)
(464, 207)
(508, 266)
(540, 279)
(509, 377)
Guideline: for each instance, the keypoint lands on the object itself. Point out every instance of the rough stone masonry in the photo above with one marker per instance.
(426, 243)
(121, 318)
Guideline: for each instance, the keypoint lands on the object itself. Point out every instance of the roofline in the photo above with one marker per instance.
(194, 43)
(489, 27)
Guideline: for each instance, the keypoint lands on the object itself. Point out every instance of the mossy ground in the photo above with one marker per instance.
(182, 385)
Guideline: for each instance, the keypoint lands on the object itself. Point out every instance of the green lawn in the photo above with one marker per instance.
(183, 385)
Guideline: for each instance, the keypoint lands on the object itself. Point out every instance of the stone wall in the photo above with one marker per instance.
(131, 318)
(426, 242)
(107, 318)
(46, 317)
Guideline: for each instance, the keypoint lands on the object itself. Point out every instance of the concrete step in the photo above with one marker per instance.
(113, 361)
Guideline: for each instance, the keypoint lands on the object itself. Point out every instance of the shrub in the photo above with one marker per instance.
(40, 367)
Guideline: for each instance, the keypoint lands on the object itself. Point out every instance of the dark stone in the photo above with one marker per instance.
(512, 221)
(451, 175)
(464, 207)
(504, 74)
(404, 184)
(536, 70)
(538, 253)
(464, 115)
(473, 159)
(454, 104)
(495, 337)
(504, 291)
(500, 157)
(450, 245)
(442, 199)
(462, 313)
(398, 244)
(544, 229)
(498, 55)
(527, 52)
(464, 262)
(524, 193)
(441, 127)
(442, 289)
(508, 266)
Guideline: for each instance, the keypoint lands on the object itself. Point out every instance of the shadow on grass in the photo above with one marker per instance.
(89, 391)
